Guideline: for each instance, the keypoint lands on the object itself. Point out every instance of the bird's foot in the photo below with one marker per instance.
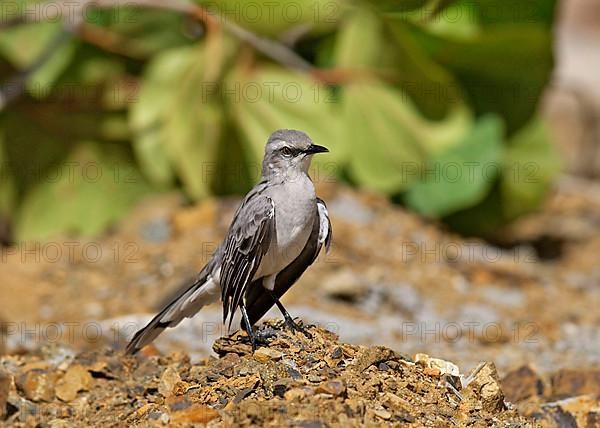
(260, 337)
(265, 334)
(294, 326)
(253, 343)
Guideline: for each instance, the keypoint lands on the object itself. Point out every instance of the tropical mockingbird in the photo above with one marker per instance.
(276, 233)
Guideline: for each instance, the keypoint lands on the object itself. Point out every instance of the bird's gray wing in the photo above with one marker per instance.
(237, 259)
(248, 240)
(258, 302)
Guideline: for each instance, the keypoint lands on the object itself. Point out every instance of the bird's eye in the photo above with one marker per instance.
(287, 152)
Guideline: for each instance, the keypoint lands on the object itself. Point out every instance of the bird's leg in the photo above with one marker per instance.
(246, 326)
(289, 321)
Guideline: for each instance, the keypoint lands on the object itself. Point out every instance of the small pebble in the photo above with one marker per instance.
(333, 387)
(75, 379)
(168, 380)
(383, 414)
(262, 355)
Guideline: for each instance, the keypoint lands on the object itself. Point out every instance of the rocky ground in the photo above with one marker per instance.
(297, 379)
(527, 303)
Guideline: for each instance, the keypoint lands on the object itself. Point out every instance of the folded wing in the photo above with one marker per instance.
(257, 301)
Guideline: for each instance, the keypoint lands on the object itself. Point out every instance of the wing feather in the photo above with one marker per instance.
(260, 302)
(247, 241)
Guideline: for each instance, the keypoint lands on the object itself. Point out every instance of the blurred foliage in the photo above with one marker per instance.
(435, 105)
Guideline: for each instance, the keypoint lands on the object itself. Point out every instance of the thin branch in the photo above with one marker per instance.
(273, 49)
(106, 40)
(14, 88)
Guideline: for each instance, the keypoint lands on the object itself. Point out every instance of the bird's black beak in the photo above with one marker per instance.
(313, 148)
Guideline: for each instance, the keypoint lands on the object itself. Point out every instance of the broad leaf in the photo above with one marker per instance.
(274, 19)
(461, 176)
(23, 46)
(91, 190)
(530, 164)
(270, 98)
(396, 6)
(503, 70)
(7, 183)
(144, 31)
(360, 40)
(431, 86)
(177, 123)
(502, 12)
(388, 138)
(147, 116)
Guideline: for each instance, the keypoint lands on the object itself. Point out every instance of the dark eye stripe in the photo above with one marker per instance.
(290, 151)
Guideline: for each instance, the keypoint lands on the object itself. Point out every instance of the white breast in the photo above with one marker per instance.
(295, 205)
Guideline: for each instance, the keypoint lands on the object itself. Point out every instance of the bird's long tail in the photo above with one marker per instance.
(201, 292)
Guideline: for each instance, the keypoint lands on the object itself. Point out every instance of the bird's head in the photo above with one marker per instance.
(288, 152)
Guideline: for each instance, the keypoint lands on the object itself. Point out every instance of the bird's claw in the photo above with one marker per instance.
(253, 342)
(294, 326)
(260, 337)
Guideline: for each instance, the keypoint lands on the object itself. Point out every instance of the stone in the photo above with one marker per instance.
(581, 411)
(571, 382)
(522, 384)
(280, 387)
(432, 371)
(176, 403)
(485, 386)
(373, 356)
(393, 402)
(195, 414)
(5, 383)
(298, 393)
(344, 285)
(333, 387)
(75, 379)
(37, 384)
(444, 367)
(168, 381)
(382, 413)
(262, 355)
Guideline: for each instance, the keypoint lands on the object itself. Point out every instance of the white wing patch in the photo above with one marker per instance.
(324, 226)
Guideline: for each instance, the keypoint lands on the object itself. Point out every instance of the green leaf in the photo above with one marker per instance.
(144, 31)
(388, 138)
(494, 12)
(461, 176)
(148, 115)
(23, 46)
(30, 145)
(274, 19)
(503, 70)
(396, 6)
(458, 19)
(530, 164)
(360, 40)
(431, 86)
(178, 122)
(94, 189)
(7, 183)
(272, 98)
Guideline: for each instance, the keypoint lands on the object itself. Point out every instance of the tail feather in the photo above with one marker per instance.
(201, 292)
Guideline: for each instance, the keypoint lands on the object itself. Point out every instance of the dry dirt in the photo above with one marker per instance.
(527, 309)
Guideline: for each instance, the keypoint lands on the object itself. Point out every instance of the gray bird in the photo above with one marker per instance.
(276, 233)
